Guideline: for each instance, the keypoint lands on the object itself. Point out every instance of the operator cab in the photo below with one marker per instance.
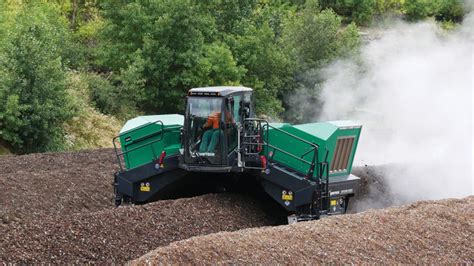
(210, 127)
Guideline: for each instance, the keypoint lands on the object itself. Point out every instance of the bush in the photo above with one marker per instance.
(103, 94)
(317, 37)
(358, 11)
(33, 101)
(88, 128)
(442, 10)
(450, 10)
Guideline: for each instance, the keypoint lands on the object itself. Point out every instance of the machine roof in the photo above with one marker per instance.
(168, 120)
(222, 90)
(324, 130)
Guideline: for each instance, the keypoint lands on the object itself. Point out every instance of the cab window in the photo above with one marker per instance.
(236, 108)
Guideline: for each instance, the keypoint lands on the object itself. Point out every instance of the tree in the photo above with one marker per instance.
(418, 9)
(269, 68)
(442, 10)
(315, 39)
(358, 11)
(174, 43)
(450, 10)
(33, 102)
(253, 32)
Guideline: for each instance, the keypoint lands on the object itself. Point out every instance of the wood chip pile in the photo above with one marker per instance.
(58, 208)
(374, 191)
(431, 232)
(119, 235)
(55, 183)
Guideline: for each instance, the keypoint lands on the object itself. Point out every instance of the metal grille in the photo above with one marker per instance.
(341, 154)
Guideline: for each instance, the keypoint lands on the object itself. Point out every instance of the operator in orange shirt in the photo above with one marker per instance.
(210, 138)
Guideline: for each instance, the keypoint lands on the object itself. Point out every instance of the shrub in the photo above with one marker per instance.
(33, 101)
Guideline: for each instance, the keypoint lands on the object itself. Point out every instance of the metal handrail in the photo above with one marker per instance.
(123, 153)
(315, 160)
(296, 137)
(313, 163)
(290, 154)
(306, 153)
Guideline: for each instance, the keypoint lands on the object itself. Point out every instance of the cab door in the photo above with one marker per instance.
(232, 117)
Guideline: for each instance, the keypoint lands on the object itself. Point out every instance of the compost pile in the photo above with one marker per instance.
(58, 208)
(119, 235)
(374, 191)
(34, 185)
(429, 232)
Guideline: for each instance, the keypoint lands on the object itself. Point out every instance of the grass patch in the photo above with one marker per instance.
(89, 129)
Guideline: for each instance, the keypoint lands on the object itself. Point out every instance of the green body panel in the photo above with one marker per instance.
(324, 134)
(143, 138)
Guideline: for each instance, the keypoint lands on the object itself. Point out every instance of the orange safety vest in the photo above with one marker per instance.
(214, 118)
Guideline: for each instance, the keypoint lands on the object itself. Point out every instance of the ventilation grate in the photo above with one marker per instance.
(342, 153)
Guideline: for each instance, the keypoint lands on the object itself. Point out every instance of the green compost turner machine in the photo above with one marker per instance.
(305, 168)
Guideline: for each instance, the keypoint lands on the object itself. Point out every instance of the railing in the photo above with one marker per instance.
(122, 154)
(313, 163)
(322, 167)
(324, 171)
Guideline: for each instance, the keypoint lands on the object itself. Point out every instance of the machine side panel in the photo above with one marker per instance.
(284, 142)
(146, 182)
(146, 142)
(336, 143)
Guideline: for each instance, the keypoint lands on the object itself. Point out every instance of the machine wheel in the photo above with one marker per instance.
(347, 203)
(118, 197)
(118, 202)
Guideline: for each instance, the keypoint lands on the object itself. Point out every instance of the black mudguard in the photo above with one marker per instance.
(145, 183)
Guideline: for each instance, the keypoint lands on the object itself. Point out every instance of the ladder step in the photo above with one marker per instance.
(251, 153)
(289, 171)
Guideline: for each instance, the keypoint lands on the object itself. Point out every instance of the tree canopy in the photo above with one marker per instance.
(60, 61)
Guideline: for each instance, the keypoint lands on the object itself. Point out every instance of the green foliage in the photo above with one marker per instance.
(383, 8)
(257, 46)
(113, 99)
(219, 67)
(88, 128)
(33, 102)
(442, 10)
(103, 95)
(358, 11)
(450, 10)
(162, 49)
(129, 57)
(418, 9)
(317, 37)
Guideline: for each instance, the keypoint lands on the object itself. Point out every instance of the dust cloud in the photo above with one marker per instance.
(411, 89)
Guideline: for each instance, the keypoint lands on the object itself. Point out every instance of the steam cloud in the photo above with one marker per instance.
(412, 91)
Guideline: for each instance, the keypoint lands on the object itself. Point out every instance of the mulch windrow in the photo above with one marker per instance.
(427, 232)
(58, 208)
(35, 185)
(125, 233)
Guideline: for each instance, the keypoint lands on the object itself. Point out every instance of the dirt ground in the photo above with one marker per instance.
(429, 232)
(58, 208)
